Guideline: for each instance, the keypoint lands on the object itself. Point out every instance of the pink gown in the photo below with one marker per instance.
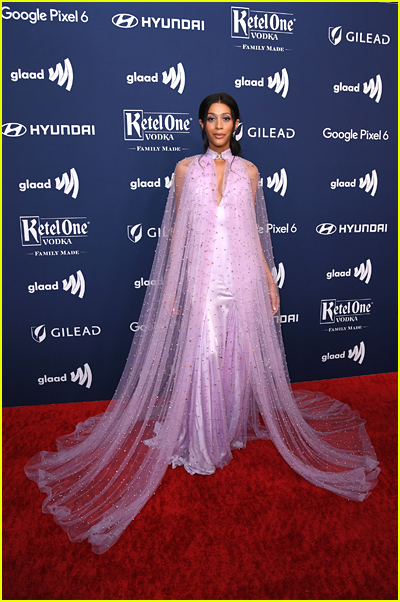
(206, 372)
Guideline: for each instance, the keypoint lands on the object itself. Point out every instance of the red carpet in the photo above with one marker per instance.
(254, 530)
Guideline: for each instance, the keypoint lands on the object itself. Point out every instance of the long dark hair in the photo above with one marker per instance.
(225, 99)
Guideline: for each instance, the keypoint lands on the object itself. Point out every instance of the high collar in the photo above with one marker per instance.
(226, 154)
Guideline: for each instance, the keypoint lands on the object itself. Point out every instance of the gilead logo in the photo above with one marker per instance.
(335, 36)
(39, 333)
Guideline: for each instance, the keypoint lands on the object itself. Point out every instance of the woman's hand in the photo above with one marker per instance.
(273, 295)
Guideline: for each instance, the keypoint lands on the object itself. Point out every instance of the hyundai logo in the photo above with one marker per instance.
(326, 229)
(124, 20)
(14, 129)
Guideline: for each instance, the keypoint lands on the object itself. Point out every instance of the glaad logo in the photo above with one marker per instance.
(335, 36)
(51, 230)
(65, 75)
(373, 88)
(13, 130)
(39, 332)
(127, 21)
(143, 282)
(357, 354)
(177, 78)
(141, 125)
(350, 310)
(278, 182)
(82, 376)
(326, 228)
(279, 275)
(73, 284)
(369, 183)
(277, 82)
(174, 78)
(69, 183)
(169, 180)
(363, 272)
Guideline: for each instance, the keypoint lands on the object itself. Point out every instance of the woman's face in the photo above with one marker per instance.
(219, 126)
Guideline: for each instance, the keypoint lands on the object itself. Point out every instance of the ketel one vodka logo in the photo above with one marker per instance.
(69, 183)
(175, 79)
(36, 230)
(75, 285)
(259, 24)
(82, 377)
(62, 75)
(142, 125)
(333, 311)
(39, 333)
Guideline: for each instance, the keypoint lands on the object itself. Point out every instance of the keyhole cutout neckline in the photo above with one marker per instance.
(227, 156)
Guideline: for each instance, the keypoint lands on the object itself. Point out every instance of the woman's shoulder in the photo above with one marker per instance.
(249, 167)
(183, 164)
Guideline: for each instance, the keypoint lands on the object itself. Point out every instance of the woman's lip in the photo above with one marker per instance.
(219, 135)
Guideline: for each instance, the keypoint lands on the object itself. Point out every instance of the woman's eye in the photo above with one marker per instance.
(227, 118)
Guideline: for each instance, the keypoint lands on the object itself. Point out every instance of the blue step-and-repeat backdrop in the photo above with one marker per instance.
(100, 103)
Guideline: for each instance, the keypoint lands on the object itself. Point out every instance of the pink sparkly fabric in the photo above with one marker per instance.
(206, 373)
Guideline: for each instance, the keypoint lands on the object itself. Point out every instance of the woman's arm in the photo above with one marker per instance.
(273, 290)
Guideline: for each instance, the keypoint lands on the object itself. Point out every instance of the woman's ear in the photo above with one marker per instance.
(236, 125)
(201, 124)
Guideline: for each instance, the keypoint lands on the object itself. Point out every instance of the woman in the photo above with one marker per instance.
(207, 370)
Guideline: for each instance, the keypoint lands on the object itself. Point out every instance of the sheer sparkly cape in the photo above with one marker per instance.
(104, 473)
